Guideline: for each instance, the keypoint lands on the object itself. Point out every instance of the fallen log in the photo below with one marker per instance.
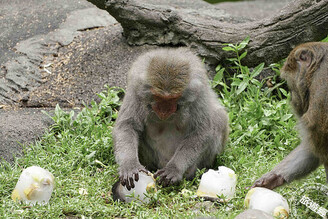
(272, 38)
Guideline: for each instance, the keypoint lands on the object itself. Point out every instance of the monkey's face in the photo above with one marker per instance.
(164, 105)
(298, 70)
(290, 72)
(168, 78)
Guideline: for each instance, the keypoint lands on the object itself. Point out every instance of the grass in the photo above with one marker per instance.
(78, 151)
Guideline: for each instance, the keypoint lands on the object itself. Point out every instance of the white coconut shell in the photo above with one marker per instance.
(221, 182)
(35, 185)
(268, 201)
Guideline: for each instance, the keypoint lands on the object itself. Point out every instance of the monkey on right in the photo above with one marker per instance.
(306, 73)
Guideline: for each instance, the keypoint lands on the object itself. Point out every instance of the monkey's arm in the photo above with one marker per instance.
(300, 162)
(126, 138)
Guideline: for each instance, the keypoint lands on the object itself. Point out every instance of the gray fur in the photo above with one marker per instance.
(306, 73)
(191, 138)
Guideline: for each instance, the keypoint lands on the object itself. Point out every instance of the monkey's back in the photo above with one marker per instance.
(318, 107)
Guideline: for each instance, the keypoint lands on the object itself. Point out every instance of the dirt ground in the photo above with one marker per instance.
(81, 70)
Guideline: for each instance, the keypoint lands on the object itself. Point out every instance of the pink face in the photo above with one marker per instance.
(165, 105)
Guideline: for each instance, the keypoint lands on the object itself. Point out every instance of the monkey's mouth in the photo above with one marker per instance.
(164, 109)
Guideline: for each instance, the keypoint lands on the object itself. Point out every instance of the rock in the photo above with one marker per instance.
(25, 72)
(20, 127)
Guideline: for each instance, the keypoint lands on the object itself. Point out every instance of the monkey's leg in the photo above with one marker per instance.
(185, 157)
(300, 162)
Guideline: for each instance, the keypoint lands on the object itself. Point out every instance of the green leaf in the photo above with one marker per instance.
(256, 82)
(283, 91)
(228, 48)
(244, 69)
(286, 117)
(101, 95)
(92, 154)
(244, 43)
(218, 68)
(257, 70)
(232, 59)
(242, 86)
(219, 75)
(243, 55)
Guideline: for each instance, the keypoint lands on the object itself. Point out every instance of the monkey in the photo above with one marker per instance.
(306, 74)
(170, 120)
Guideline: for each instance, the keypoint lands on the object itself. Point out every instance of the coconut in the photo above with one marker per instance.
(218, 183)
(268, 201)
(34, 185)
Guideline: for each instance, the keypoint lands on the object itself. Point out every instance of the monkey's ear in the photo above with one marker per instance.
(304, 56)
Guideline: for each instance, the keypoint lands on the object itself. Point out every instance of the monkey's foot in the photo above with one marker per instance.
(269, 181)
(168, 176)
(128, 175)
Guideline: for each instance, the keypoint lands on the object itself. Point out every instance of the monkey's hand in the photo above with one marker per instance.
(129, 173)
(168, 175)
(269, 180)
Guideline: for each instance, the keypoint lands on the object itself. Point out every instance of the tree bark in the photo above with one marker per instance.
(271, 38)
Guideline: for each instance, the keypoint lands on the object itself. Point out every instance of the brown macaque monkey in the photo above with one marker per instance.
(306, 73)
(170, 120)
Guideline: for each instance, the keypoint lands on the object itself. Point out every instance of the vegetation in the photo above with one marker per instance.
(78, 151)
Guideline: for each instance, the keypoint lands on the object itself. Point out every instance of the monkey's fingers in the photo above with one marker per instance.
(158, 173)
(144, 170)
(258, 183)
(136, 175)
(127, 181)
(164, 181)
(131, 182)
(122, 180)
(159, 177)
(173, 178)
(269, 181)
(167, 178)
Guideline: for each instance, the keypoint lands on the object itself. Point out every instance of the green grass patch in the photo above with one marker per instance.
(78, 151)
